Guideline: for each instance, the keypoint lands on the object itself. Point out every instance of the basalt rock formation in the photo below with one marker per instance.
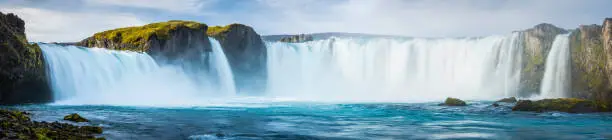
(170, 41)
(246, 53)
(22, 69)
(538, 42)
(297, 38)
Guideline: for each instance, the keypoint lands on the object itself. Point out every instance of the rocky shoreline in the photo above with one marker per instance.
(16, 124)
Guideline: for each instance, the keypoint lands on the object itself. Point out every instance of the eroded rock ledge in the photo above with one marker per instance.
(22, 68)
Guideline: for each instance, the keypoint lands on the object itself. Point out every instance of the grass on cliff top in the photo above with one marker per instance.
(139, 35)
(219, 31)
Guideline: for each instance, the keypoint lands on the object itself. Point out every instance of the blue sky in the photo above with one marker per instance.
(73, 20)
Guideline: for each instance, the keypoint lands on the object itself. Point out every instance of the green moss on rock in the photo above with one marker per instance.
(75, 118)
(507, 100)
(22, 70)
(136, 37)
(454, 102)
(219, 32)
(570, 105)
(17, 125)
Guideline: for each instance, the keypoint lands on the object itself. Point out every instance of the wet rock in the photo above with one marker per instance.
(570, 105)
(508, 100)
(495, 104)
(75, 118)
(453, 102)
(17, 125)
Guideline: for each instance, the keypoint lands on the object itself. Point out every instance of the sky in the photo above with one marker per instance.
(74, 20)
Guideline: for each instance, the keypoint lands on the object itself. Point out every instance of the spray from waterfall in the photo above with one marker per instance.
(81, 75)
(555, 83)
(223, 68)
(382, 69)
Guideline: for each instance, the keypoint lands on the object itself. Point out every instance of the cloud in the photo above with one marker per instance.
(425, 18)
(57, 26)
(57, 21)
(178, 6)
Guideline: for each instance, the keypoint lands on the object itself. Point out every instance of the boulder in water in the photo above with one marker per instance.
(507, 100)
(570, 105)
(453, 102)
(75, 118)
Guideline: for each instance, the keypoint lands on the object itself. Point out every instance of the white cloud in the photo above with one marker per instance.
(55, 26)
(424, 18)
(179, 6)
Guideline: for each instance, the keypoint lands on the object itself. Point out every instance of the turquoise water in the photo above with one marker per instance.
(288, 120)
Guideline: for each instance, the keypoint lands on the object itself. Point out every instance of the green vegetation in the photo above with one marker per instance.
(570, 105)
(219, 32)
(508, 100)
(17, 125)
(75, 118)
(589, 57)
(454, 102)
(137, 37)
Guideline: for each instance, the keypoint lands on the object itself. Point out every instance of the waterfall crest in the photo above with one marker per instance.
(222, 66)
(555, 83)
(81, 75)
(383, 69)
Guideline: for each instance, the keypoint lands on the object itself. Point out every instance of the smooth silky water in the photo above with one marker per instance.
(337, 88)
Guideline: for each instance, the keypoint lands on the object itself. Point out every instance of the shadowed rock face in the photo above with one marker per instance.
(22, 70)
(246, 53)
(538, 42)
(172, 41)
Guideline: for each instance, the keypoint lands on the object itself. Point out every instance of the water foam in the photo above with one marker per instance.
(383, 69)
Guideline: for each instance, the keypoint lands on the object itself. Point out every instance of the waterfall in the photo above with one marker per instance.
(390, 69)
(81, 75)
(556, 80)
(223, 68)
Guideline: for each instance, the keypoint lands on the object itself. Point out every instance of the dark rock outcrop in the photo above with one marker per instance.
(453, 102)
(507, 100)
(570, 105)
(75, 118)
(17, 125)
(538, 42)
(174, 41)
(297, 38)
(22, 69)
(246, 53)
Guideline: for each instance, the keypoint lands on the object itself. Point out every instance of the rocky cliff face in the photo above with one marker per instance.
(22, 70)
(297, 38)
(538, 41)
(246, 54)
(173, 41)
(588, 62)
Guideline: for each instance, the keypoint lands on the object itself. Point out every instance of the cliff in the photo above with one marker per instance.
(297, 38)
(22, 69)
(177, 42)
(246, 53)
(165, 41)
(538, 41)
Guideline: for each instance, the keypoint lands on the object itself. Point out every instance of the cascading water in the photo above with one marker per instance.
(556, 75)
(223, 68)
(81, 75)
(383, 69)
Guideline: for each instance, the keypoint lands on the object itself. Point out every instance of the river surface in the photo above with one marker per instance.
(310, 120)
